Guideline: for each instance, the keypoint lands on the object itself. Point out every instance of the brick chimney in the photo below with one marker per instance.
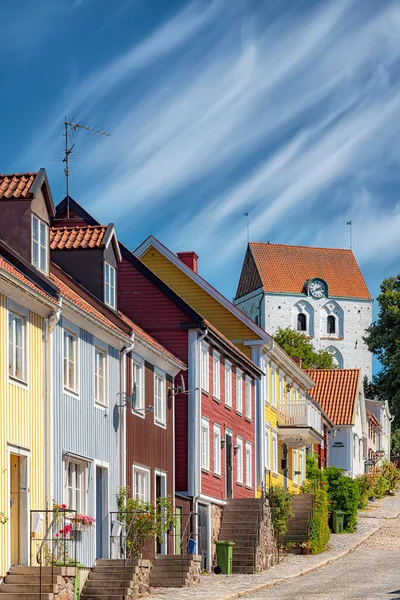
(189, 258)
(297, 360)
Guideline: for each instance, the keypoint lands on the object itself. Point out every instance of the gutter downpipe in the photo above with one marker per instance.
(260, 424)
(122, 462)
(50, 323)
(197, 488)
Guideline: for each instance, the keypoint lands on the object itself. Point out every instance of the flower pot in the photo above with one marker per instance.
(306, 550)
(81, 527)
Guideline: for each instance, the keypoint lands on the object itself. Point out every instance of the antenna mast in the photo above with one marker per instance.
(68, 149)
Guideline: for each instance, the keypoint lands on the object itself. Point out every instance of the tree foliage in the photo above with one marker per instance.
(297, 344)
(383, 339)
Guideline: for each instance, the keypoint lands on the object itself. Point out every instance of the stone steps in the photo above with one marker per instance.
(23, 583)
(175, 571)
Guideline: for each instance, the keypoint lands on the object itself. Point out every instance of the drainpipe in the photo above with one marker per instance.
(50, 323)
(260, 424)
(122, 462)
(197, 466)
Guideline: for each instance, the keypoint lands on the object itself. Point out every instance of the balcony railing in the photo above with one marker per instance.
(299, 413)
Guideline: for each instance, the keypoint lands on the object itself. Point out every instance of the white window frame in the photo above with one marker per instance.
(205, 444)
(266, 381)
(281, 388)
(228, 384)
(143, 495)
(75, 337)
(274, 453)
(239, 460)
(18, 315)
(248, 389)
(273, 390)
(160, 402)
(249, 465)
(205, 367)
(138, 365)
(216, 375)
(267, 449)
(110, 287)
(40, 244)
(239, 391)
(80, 485)
(217, 449)
(97, 350)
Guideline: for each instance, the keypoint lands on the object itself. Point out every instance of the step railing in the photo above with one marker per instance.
(58, 538)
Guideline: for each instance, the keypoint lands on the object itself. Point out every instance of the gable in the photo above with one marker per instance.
(232, 327)
(250, 279)
(337, 393)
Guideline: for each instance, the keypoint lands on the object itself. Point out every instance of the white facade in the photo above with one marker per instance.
(382, 413)
(348, 444)
(349, 318)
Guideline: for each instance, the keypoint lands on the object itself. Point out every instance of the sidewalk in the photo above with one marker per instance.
(229, 587)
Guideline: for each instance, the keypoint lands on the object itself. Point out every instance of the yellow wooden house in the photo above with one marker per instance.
(287, 419)
(28, 306)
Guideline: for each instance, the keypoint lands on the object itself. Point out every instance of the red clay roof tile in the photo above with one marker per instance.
(4, 264)
(67, 238)
(285, 269)
(336, 391)
(16, 185)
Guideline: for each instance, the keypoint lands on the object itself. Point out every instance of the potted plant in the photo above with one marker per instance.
(82, 522)
(305, 547)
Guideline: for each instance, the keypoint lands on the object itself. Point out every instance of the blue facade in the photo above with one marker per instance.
(86, 437)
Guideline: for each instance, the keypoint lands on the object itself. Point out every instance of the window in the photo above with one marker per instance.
(160, 406)
(100, 369)
(239, 391)
(70, 360)
(204, 367)
(355, 444)
(39, 243)
(301, 322)
(109, 285)
(138, 386)
(216, 376)
(205, 444)
(265, 381)
(267, 449)
(274, 453)
(360, 450)
(248, 397)
(141, 484)
(217, 449)
(331, 324)
(16, 346)
(281, 388)
(273, 399)
(76, 486)
(228, 383)
(239, 460)
(249, 465)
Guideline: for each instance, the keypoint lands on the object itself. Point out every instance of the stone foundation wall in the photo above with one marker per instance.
(216, 519)
(65, 587)
(266, 549)
(142, 584)
(193, 577)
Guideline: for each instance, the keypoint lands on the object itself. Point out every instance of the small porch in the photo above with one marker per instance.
(300, 422)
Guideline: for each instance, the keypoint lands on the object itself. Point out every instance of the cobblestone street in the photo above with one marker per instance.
(370, 572)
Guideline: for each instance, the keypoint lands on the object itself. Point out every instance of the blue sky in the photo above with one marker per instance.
(288, 110)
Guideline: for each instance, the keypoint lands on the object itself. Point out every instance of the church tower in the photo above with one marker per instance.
(317, 291)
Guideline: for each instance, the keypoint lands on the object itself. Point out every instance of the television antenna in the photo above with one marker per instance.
(74, 127)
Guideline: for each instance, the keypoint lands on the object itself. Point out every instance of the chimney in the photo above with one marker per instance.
(189, 258)
(297, 360)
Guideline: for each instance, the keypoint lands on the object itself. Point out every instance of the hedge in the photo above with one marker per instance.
(319, 528)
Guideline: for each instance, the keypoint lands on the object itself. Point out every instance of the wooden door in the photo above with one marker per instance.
(15, 507)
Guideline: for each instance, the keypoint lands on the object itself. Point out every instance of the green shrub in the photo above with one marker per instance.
(319, 528)
(343, 495)
(280, 502)
(365, 489)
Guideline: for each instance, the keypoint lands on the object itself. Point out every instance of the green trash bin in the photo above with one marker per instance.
(224, 556)
(338, 521)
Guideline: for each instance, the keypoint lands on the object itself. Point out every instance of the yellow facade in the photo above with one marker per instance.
(22, 435)
(234, 329)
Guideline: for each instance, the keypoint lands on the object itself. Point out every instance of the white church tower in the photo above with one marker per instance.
(318, 291)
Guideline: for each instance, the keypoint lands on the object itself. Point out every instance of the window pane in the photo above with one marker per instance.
(35, 229)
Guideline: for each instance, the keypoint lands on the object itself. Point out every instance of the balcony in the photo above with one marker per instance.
(300, 422)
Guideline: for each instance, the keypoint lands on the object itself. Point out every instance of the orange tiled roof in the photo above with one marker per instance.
(4, 264)
(336, 391)
(16, 185)
(373, 419)
(285, 269)
(69, 238)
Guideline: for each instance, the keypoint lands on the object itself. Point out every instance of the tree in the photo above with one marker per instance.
(383, 339)
(296, 344)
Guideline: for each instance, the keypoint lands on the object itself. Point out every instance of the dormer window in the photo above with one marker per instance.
(39, 244)
(109, 285)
